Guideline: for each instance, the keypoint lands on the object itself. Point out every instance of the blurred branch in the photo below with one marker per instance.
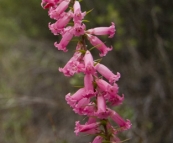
(25, 100)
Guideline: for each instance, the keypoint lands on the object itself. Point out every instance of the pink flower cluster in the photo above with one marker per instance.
(100, 90)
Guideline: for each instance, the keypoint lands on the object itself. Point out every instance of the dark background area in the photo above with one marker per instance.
(32, 91)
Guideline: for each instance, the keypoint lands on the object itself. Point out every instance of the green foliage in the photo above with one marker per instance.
(16, 124)
(24, 17)
(76, 81)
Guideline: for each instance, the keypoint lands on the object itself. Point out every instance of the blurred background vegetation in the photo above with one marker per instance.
(32, 105)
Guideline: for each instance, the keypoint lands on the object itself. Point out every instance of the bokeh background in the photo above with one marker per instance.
(32, 105)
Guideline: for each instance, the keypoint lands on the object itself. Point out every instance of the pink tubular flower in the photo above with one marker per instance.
(89, 63)
(55, 13)
(97, 139)
(114, 99)
(78, 29)
(78, 15)
(90, 109)
(103, 30)
(73, 65)
(111, 92)
(58, 26)
(80, 106)
(88, 82)
(49, 3)
(54, 28)
(88, 128)
(71, 100)
(96, 42)
(125, 125)
(102, 84)
(104, 71)
(102, 113)
(66, 37)
(106, 87)
(101, 104)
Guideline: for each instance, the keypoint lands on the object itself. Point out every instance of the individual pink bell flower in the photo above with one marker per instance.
(96, 42)
(78, 29)
(55, 13)
(114, 99)
(80, 106)
(78, 15)
(112, 89)
(58, 26)
(102, 84)
(78, 95)
(125, 125)
(66, 38)
(89, 63)
(73, 66)
(105, 86)
(69, 100)
(101, 104)
(54, 29)
(102, 112)
(103, 30)
(88, 83)
(90, 109)
(98, 139)
(112, 95)
(111, 92)
(49, 3)
(88, 128)
(104, 71)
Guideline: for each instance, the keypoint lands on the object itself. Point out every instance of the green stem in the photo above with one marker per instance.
(107, 136)
(83, 42)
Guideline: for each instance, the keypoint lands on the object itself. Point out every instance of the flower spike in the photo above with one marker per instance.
(99, 91)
